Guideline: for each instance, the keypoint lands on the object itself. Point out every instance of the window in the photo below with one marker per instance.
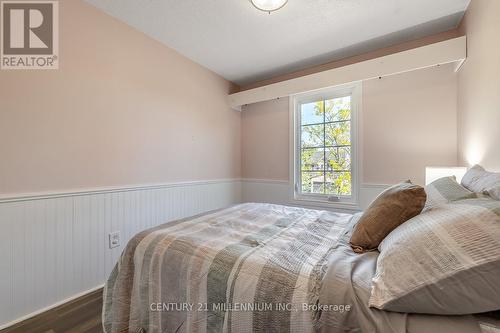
(325, 145)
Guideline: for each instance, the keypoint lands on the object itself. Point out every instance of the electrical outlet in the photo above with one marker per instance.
(114, 239)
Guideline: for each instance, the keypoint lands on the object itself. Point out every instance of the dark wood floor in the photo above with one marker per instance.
(82, 315)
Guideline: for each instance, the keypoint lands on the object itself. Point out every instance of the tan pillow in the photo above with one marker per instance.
(390, 209)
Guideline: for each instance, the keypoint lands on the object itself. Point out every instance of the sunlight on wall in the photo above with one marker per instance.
(474, 152)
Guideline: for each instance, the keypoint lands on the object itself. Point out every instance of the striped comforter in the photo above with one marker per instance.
(248, 268)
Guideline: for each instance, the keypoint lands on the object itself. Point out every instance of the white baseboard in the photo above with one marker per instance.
(50, 307)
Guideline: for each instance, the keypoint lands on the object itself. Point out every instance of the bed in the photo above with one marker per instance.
(254, 268)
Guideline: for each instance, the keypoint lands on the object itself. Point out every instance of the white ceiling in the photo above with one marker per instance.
(245, 45)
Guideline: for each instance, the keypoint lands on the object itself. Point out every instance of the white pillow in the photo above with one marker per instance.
(478, 180)
(444, 261)
(445, 190)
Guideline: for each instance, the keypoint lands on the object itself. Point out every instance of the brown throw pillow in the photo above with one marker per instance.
(390, 209)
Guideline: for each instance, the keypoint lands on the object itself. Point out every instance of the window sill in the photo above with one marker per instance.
(330, 205)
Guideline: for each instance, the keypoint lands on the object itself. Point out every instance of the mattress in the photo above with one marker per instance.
(253, 268)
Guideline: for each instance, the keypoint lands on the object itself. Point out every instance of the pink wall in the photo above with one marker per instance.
(409, 122)
(479, 86)
(137, 112)
(122, 109)
(265, 138)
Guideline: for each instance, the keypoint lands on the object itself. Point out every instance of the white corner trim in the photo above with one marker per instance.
(108, 189)
(459, 65)
(50, 307)
(449, 51)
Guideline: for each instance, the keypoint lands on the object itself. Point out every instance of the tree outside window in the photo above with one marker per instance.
(325, 147)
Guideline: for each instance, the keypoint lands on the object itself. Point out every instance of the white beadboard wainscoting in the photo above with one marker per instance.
(279, 192)
(54, 247)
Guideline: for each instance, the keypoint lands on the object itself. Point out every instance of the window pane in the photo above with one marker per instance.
(338, 134)
(312, 136)
(312, 159)
(312, 113)
(313, 182)
(338, 109)
(338, 159)
(338, 183)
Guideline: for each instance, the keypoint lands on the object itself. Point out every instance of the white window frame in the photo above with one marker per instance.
(321, 200)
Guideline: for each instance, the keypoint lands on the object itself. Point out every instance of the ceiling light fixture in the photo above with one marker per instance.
(269, 5)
